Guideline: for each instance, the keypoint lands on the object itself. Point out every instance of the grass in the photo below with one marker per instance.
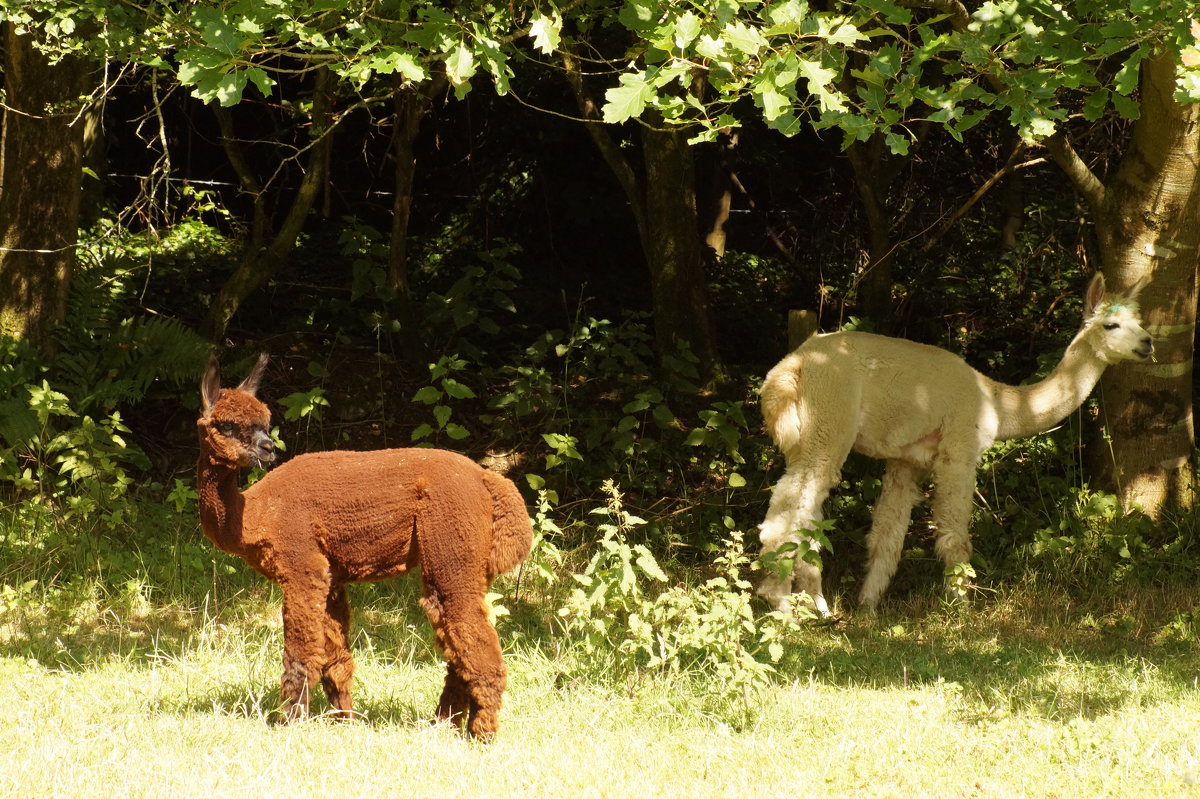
(1035, 691)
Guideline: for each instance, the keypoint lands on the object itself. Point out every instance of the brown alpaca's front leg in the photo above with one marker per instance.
(339, 663)
(303, 647)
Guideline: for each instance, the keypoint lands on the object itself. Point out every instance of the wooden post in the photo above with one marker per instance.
(801, 325)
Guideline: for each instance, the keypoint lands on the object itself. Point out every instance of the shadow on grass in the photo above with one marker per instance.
(1039, 650)
(1045, 650)
(260, 702)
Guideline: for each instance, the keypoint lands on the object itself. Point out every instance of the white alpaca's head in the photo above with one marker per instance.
(1113, 325)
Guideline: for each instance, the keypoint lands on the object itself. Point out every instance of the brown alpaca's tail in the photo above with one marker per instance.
(512, 531)
(780, 401)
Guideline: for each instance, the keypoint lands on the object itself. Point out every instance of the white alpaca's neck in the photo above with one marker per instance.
(1027, 410)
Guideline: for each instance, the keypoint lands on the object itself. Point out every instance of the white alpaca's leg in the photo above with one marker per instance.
(893, 512)
(953, 494)
(795, 506)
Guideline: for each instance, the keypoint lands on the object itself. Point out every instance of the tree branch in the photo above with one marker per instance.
(1080, 174)
(608, 148)
(1009, 167)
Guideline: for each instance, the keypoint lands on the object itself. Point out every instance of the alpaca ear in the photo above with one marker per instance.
(1142, 282)
(1095, 292)
(250, 384)
(210, 384)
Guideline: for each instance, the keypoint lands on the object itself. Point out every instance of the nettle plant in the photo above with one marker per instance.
(443, 387)
(624, 613)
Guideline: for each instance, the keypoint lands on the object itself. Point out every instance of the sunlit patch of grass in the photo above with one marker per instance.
(1033, 690)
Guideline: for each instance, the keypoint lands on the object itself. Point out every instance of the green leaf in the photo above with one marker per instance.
(390, 62)
(774, 103)
(845, 35)
(639, 16)
(457, 431)
(627, 100)
(744, 38)
(460, 65)
(786, 18)
(261, 79)
(1126, 79)
(663, 416)
(428, 395)
(648, 564)
(457, 390)
(545, 32)
(736, 480)
(788, 124)
(229, 88)
(687, 28)
(898, 143)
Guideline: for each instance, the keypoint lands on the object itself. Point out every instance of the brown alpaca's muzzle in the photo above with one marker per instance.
(262, 449)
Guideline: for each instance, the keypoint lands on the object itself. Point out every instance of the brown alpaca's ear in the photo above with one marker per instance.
(250, 384)
(1095, 292)
(210, 384)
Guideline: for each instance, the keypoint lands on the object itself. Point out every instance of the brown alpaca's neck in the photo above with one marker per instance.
(1027, 410)
(221, 503)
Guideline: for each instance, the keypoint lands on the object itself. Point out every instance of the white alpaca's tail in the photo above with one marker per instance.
(780, 401)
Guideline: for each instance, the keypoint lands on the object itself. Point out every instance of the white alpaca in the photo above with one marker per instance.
(921, 409)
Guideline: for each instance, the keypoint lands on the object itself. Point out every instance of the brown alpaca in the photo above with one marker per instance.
(323, 520)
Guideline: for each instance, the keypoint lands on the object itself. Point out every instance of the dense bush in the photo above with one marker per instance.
(646, 487)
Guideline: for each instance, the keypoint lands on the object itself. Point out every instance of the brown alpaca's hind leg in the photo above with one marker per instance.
(475, 666)
(338, 671)
(303, 647)
(455, 703)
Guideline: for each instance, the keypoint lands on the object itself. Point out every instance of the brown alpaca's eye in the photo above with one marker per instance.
(226, 428)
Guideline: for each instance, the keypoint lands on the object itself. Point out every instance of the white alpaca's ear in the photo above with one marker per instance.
(1095, 292)
(250, 384)
(210, 384)
(1143, 281)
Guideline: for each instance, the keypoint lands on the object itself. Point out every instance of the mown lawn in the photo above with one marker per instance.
(1031, 692)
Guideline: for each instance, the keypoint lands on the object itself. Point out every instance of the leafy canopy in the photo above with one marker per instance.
(879, 66)
(863, 67)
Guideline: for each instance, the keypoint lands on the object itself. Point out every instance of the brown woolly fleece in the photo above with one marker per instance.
(323, 520)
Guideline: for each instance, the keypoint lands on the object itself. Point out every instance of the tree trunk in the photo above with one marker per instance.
(41, 171)
(263, 258)
(663, 203)
(410, 106)
(1148, 229)
(872, 179)
(721, 204)
(675, 259)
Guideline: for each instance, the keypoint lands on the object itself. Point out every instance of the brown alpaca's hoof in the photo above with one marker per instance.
(483, 726)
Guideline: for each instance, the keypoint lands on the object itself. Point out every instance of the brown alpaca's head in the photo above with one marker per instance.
(234, 425)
